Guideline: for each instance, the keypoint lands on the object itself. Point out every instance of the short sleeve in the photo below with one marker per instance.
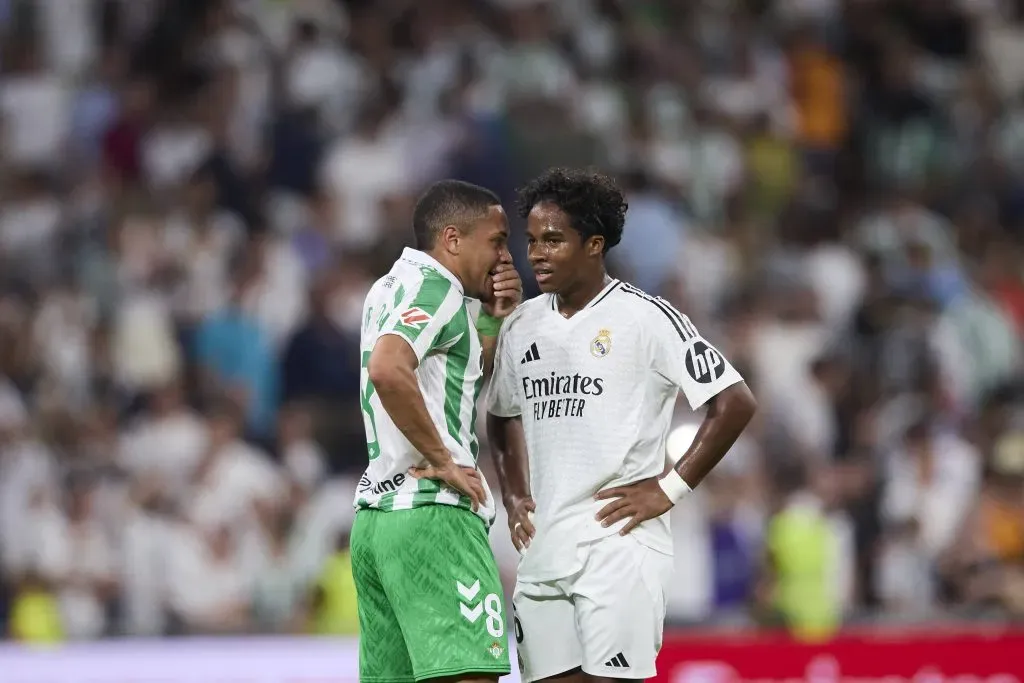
(503, 392)
(422, 314)
(684, 358)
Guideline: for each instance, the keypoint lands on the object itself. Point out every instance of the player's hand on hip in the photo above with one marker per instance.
(520, 522)
(637, 502)
(465, 480)
(508, 291)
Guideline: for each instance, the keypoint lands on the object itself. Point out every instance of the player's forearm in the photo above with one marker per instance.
(400, 395)
(489, 345)
(728, 414)
(508, 446)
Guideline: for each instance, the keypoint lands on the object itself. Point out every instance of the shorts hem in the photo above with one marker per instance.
(384, 679)
(458, 671)
(636, 673)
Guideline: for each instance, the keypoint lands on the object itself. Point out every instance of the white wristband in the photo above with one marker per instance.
(674, 486)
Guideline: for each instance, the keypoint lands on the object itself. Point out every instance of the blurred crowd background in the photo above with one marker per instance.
(196, 194)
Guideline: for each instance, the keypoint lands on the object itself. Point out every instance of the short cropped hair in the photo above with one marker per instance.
(594, 203)
(448, 202)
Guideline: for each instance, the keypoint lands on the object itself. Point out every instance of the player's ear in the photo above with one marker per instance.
(595, 245)
(450, 238)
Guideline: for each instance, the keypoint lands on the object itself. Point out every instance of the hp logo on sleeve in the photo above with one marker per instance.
(703, 363)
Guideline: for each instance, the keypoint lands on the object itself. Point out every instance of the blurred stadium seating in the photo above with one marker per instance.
(195, 195)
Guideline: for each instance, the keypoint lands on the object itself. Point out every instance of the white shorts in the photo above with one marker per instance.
(607, 618)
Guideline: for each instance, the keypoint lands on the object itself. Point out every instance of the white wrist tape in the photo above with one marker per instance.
(674, 486)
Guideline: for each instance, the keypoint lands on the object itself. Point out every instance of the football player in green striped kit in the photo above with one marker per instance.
(430, 601)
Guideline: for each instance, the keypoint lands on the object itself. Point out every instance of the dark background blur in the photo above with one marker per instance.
(195, 196)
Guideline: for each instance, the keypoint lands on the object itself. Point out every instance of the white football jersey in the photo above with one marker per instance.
(423, 303)
(596, 393)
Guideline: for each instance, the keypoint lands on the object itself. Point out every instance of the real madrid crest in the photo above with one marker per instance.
(601, 346)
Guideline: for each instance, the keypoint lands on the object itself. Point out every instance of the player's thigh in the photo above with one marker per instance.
(383, 656)
(620, 607)
(544, 624)
(443, 584)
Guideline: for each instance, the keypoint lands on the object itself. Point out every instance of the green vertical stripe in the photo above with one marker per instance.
(428, 298)
(427, 495)
(387, 501)
(385, 312)
(474, 445)
(455, 372)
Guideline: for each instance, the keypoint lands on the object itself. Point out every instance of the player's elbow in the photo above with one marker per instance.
(383, 375)
(500, 429)
(390, 364)
(737, 405)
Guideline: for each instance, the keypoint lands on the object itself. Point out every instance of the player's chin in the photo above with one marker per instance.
(546, 281)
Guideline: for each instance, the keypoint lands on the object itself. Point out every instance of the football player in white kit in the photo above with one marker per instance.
(581, 400)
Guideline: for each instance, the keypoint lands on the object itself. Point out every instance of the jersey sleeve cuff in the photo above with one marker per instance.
(698, 400)
(402, 335)
(497, 412)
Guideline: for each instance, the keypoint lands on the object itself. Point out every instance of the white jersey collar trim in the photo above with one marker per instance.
(608, 288)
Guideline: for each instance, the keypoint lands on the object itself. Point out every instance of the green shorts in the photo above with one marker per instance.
(430, 600)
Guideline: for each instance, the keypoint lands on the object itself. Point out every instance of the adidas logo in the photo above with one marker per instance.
(531, 355)
(618, 662)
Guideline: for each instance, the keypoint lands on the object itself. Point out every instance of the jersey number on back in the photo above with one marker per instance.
(366, 392)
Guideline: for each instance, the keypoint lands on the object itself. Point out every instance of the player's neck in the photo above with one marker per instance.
(448, 262)
(571, 301)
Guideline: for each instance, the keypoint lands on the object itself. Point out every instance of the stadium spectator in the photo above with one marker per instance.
(196, 196)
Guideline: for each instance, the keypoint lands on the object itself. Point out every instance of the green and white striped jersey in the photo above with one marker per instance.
(424, 304)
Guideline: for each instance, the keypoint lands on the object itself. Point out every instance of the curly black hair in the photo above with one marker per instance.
(591, 199)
